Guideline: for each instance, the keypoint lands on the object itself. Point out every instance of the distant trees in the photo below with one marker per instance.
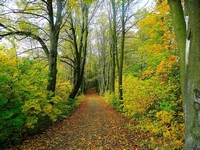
(120, 15)
(102, 43)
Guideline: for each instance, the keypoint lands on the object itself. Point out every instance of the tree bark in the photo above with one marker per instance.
(114, 47)
(178, 21)
(52, 62)
(190, 66)
(192, 85)
(121, 52)
(80, 51)
(54, 36)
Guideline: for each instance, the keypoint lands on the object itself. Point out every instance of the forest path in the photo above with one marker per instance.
(94, 126)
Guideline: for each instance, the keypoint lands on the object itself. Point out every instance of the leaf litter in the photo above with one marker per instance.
(93, 126)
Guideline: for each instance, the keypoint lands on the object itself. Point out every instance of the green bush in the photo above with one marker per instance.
(24, 106)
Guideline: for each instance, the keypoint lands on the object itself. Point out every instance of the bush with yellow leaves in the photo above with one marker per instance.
(24, 105)
(157, 108)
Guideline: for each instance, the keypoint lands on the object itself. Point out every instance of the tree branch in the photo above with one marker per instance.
(67, 63)
(67, 57)
(28, 34)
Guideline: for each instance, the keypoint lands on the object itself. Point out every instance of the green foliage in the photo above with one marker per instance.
(24, 105)
(11, 116)
(113, 101)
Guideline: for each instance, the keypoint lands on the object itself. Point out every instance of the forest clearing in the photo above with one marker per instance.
(139, 59)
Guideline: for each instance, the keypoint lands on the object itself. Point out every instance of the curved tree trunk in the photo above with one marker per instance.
(178, 21)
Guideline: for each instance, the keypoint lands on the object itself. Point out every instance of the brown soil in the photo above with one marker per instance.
(94, 126)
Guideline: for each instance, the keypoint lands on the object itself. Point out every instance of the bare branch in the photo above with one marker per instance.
(67, 57)
(67, 63)
(29, 34)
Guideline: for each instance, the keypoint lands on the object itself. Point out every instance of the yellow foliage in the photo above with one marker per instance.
(164, 117)
(108, 97)
(63, 89)
(170, 136)
(31, 121)
(153, 98)
(138, 95)
(166, 66)
(31, 107)
(47, 108)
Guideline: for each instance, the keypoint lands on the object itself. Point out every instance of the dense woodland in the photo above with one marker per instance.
(51, 52)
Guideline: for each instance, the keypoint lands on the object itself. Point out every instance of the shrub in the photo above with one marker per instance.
(24, 106)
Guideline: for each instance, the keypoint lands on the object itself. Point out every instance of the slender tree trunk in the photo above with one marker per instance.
(108, 77)
(114, 47)
(121, 53)
(103, 74)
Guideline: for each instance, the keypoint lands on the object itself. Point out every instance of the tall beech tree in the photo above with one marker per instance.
(78, 23)
(39, 20)
(188, 34)
(113, 50)
(80, 47)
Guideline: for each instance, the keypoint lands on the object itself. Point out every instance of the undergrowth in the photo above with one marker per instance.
(24, 106)
(157, 108)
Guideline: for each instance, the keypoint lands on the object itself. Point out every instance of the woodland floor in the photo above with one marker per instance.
(93, 126)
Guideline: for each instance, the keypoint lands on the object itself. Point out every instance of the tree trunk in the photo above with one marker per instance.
(54, 35)
(192, 86)
(52, 65)
(178, 21)
(103, 73)
(77, 80)
(80, 51)
(190, 66)
(121, 53)
(114, 48)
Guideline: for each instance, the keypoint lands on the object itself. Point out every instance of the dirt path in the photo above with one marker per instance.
(94, 126)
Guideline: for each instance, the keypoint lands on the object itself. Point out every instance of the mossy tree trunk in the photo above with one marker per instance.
(192, 85)
(190, 66)
(178, 21)
(113, 47)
